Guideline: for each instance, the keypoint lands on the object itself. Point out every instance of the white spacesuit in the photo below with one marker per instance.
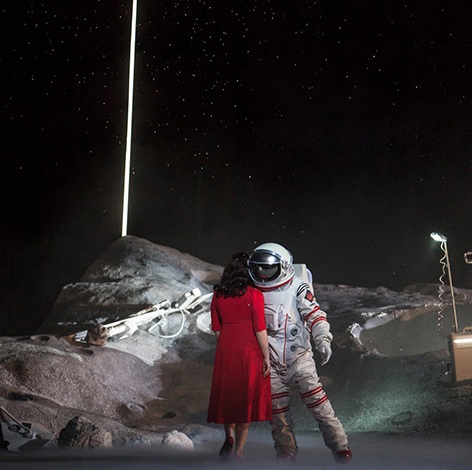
(292, 317)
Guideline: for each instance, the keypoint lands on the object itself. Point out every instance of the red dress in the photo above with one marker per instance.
(239, 392)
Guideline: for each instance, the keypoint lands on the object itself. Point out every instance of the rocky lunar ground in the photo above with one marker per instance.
(388, 373)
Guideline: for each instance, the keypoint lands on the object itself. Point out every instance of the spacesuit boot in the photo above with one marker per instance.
(342, 455)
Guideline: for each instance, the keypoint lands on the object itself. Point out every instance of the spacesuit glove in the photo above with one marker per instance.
(324, 348)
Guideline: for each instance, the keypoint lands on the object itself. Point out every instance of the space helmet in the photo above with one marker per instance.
(270, 265)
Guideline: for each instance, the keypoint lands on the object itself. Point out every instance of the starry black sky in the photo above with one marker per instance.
(341, 129)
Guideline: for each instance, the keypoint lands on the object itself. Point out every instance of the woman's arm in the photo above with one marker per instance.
(215, 319)
(264, 345)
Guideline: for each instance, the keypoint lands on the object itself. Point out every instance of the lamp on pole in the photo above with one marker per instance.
(438, 237)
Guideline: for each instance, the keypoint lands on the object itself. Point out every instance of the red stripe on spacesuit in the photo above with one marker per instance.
(285, 336)
(280, 410)
(312, 392)
(280, 395)
(319, 319)
(307, 317)
(318, 402)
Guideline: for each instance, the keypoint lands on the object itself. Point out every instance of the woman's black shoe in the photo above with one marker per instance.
(227, 449)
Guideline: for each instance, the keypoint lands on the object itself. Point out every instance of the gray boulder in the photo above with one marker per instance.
(83, 433)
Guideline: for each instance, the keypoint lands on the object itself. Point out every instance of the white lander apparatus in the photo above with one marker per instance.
(460, 347)
(460, 343)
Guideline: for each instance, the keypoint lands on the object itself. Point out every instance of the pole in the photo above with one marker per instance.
(132, 52)
(456, 326)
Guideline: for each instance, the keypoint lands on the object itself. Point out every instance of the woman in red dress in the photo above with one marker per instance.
(240, 389)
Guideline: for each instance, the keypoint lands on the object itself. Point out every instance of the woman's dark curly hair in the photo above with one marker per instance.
(235, 278)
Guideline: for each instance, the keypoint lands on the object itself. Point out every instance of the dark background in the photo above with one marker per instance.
(339, 129)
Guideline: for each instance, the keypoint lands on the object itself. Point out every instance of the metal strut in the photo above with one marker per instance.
(124, 328)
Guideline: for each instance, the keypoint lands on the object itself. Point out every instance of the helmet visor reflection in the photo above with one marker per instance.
(264, 266)
(266, 272)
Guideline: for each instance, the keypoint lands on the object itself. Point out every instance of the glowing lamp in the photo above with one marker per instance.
(438, 237)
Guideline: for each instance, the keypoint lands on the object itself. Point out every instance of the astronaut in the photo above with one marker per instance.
(292, 316)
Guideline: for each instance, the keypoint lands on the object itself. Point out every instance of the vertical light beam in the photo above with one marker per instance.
(132, 52)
